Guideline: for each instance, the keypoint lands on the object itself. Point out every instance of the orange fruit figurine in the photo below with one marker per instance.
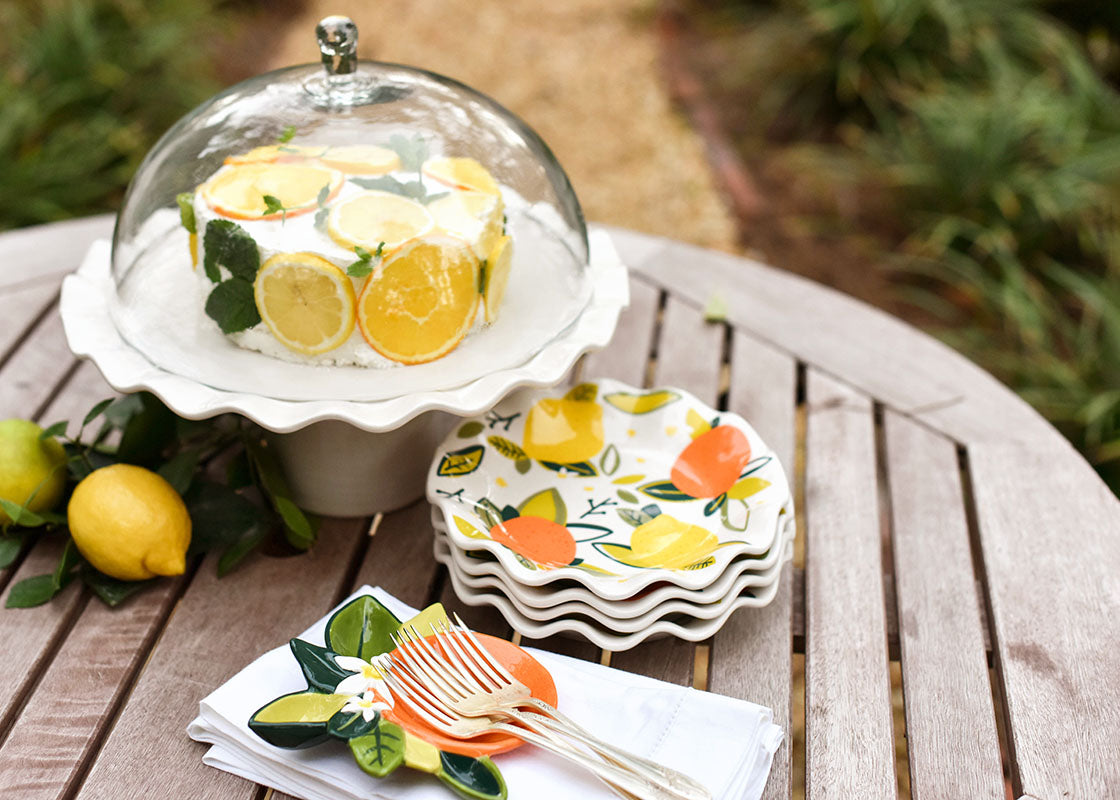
(537, 539)
(712, 462)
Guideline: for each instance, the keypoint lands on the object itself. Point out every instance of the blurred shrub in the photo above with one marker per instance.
(86, 86)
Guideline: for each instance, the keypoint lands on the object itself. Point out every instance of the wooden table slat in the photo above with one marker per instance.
(44, 253)
(31, 375)
(751, 656)
(22, 307)
(624, 359)
(950, 722)
(1050, 536)
(689, 355)
(849, 730)
(82, 390)
(218, 627)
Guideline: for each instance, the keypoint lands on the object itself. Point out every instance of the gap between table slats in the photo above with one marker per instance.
(849, 731)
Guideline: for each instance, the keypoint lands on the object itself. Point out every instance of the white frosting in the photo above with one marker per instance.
(299, 234)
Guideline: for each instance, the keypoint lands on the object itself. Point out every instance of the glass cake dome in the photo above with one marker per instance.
(380, 189)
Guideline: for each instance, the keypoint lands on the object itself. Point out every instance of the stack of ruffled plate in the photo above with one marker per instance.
(611, 512)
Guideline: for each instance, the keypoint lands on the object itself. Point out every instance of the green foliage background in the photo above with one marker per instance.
(86, 87)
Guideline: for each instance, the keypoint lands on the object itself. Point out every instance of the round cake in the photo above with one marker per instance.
(367, 255)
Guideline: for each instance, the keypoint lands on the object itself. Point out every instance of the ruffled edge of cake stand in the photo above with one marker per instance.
(91, 333)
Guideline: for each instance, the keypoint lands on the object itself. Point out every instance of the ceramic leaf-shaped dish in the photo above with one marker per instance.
(346, 700)
(610, 485)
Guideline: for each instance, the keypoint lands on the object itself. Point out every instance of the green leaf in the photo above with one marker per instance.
(413, 151)
(236, 552)
(272, 205)
(715, 504)
(122, 409)
(583, 468)
(583, 393)
(413, 190)
(238, 472)
(475, 778)
(229, 246)
(664, 490)
(361, 628)
(523, 466)
(220, 517)
(626, 496)
(32, 592)
(64, 571)
(286, 135)
(350, 726)
(98, 410)
(610, 460)
(324, 193)
(299, 529)
(490, 514)
(20, 515)
(469, 429)
(186, 211)
(715, 310)
(632, 517)
(57, 429)
(363, 266)
(232, 305)
(298, 719)
(507, 448)
(148, 432)
(112, 591)
(381, 751)
(461, 462)
(179, 471)
(318, 665)
(10, 547)
(726, 511)
(547, 503)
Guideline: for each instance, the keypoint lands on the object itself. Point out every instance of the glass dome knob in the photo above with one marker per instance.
(338, 42)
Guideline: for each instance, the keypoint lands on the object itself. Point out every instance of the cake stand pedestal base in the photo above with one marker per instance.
(337, 470)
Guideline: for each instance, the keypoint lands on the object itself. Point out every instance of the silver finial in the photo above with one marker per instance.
(338, 42)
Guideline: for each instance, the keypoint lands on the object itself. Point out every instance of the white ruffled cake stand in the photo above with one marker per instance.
(342, 457)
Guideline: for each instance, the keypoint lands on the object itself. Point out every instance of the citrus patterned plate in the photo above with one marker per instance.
(611, 486)
(478, 569)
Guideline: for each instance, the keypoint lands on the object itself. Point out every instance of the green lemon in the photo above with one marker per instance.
(29, 467)
(130, 523)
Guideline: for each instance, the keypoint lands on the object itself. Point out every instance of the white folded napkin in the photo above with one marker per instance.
(726, 744)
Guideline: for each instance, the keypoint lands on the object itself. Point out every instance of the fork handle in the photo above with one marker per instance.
(679, 784)
(621, 779)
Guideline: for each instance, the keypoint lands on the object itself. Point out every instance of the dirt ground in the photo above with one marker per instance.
(584, 73)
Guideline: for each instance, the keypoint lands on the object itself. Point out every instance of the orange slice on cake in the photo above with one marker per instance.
(306, 301)
(461, 173)
(421, 300)
(239, 191)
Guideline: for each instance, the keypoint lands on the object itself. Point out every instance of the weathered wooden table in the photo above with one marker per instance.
(945, 528)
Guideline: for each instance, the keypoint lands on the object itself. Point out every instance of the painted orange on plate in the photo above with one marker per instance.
(537, 539)
(521, 665)
(711, 464)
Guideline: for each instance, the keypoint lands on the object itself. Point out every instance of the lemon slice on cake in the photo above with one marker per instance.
(473, 216)
(306, 301)
(370, 218)
(461, 173)
(239, 191)
(497, 276)
(362, 159)
(421, 301)
(277, 152)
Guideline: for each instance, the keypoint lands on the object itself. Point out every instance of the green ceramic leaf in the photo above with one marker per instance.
(524, 561)
(755, 465)
(546, 503)
(664, 490)
(461, 462)
(610, 460)
(490, 514)
(632, 517)
(473, 778)
(351, 726)
(641, 403)
(509, 512)
(707, 562)
(626, 496)
(523, 466)
(584, 393)
(579, 468)
(381, 750)
(296, 720)
(714, 505)
(732, 524)
(361, 628)
(318, 665)
(507, 448)
(469, 429)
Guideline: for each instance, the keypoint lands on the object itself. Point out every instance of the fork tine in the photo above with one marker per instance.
(437, 661)
(421, 663)
(488, 679)
(456, 661)
(421, 708)
(483, 652)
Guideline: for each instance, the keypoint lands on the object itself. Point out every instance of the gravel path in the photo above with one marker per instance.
(584, 73)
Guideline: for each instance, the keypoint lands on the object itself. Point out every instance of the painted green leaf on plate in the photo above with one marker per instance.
(318, 665)
(507, 448)
(664, 490)
(610, 460)
(584, 393)
(361, 628)
(469, 429)
(380, 751)
(626, 497)
(475, 778)
(714, 505)
(523, 465)
(583, 468)
(461, 462)
(546, 503)
(350, 726)
(488, 512)
(735, 515)
(632, 403)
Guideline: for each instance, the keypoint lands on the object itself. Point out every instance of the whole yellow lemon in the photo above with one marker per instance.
(130, 523)
(29, 467)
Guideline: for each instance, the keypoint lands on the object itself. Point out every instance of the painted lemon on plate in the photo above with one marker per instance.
(664, 542)
(565, 430)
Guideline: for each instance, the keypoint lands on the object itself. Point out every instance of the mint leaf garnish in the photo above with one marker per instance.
(232, 306)
(287, 135)
(324, 193)
(272, 204)
(413, 190)
(227, 245)
(364, 265)
(186, 211)
(412, 150)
